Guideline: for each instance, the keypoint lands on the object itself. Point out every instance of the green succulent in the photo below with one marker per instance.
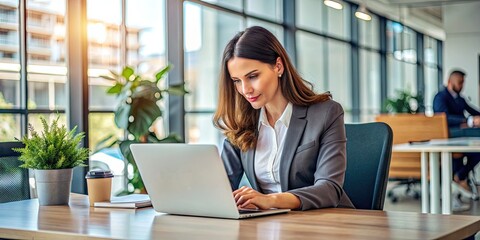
(55, 148)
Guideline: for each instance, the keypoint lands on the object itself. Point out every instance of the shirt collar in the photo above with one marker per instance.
(284, 118)
(453, 93)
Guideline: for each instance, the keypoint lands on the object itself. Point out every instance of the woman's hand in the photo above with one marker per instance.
(246, 197)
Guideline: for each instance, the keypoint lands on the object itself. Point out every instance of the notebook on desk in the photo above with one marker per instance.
(187, 179)
(127, 201)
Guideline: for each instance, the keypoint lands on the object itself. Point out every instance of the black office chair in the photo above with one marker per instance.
(14, 185)
(369, 149)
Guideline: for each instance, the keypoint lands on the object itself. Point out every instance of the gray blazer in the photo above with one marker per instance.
(313, 162)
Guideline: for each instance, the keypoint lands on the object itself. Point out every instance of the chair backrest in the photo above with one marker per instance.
(412, 127)
(14, 184)
(369, 148)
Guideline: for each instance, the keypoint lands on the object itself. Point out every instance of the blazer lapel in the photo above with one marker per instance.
(292, 139)
(248, 159)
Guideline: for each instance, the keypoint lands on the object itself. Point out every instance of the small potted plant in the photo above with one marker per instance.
(52, 154)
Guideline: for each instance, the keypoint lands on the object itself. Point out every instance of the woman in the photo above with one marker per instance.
(289, 141)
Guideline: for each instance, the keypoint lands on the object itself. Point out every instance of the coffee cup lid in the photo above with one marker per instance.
(99, 174)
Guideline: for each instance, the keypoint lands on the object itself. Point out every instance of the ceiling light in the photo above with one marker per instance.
(333, 4)
(362, 13)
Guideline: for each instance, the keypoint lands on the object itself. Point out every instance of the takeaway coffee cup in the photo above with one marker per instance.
(99, 185)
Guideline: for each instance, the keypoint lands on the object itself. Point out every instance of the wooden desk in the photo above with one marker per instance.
(25, 219)
(430, 152)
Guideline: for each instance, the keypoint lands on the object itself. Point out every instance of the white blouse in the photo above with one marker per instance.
(269, 150)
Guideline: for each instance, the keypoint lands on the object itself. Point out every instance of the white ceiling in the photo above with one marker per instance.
(425, 3)
(432, 8)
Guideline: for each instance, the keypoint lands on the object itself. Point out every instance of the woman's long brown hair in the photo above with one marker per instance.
(235, 117)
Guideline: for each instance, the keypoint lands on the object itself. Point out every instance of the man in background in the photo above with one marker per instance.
(454, 106)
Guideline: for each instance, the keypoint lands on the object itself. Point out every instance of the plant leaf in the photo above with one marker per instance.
(106, 142)
(127, 72)
(108, 77)
(160, 74)
(144, 111)
(178, 89)
(122, 114)
(115, 89)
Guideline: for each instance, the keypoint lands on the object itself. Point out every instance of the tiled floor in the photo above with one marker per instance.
(410, 204)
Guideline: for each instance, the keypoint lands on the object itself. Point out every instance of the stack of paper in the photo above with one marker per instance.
(127, 201)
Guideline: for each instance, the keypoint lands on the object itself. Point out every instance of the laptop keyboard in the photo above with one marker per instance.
(244, 211)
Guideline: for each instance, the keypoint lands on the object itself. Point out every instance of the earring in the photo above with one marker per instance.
(279, 75)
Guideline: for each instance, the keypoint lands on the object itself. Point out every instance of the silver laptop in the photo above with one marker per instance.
(187, 179)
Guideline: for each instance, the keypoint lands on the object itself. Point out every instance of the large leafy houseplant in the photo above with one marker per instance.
(404, 103)
(52, 154)
(138, 109)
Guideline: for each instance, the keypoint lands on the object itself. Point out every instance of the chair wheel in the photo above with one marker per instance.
(390, 194)
(416, 196)
(475, 197)
(394, 199)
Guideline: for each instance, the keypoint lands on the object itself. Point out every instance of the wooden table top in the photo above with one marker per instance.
(25, 219)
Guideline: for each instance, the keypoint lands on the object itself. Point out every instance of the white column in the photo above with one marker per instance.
(446, 183)
(434, 183)
(424, 180)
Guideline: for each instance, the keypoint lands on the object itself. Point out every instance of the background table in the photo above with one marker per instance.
(25, 219)
(430, 152)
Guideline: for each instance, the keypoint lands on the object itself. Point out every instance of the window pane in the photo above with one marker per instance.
(277, 30)
(394, 39)
(146, 39)
(211, 31)
(311, 59)
(102, 125)
(9, 126)
(431, 48)
(269, 9)
(314, 15)
(339, 22)
(111, 159)
(9, 90)
(431, 87)
(199, 129)
(47, 71)
(34, 119)
(232, 4)
(369, 33)
(103, 49)
(9, 58)
(369, 85)
(409, 45)
(339, 77)
(401, 77)
(311, 14)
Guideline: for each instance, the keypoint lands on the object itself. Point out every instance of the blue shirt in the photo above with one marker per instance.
(454, 108)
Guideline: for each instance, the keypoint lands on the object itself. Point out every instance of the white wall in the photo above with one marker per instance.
(462, 45)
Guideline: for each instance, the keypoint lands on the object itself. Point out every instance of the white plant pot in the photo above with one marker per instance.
(53, 186)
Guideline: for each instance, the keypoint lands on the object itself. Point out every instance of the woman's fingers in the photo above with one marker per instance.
(241, 191)
(246, 197)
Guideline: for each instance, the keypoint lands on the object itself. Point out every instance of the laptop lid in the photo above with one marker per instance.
(187, 179)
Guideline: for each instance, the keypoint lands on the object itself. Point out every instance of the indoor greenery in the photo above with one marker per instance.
(55, 148)
(138, 108)
(404, 103)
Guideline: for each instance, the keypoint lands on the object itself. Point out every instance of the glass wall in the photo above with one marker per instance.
(46, 59)
(401, 59)
(10, 94)
(207, 31)
(369, 69)
(431, 72)
(323, 49)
